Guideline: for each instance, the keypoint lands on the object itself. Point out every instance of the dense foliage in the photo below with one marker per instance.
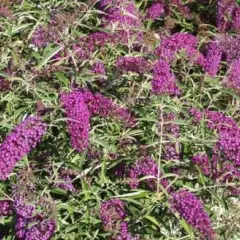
(119, 119)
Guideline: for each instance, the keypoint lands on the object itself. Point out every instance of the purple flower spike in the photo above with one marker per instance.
(191, 209)
(213, 59)
(30, 223)
(155, 11)
(233, 77)
(79, 117)
(5, 208)
(19, 143)
(177, 42)
(163, 81)
(42, 231)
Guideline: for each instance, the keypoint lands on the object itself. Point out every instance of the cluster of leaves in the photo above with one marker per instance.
(31, 79)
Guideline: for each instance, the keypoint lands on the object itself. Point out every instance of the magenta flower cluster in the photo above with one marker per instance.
(125, 18)
(224, 47)
(228, 131)
(218, 169)
(230, 47)
(155, 11)
(213, 58)
(81, 105)
(78, 119)
(191, 209)
(163, 81)
(19, 143)
(106, 4)
(125, 15)
(83, 49)
(144, 167)
(177, 42)
(31, 225)
(99, 38)
(233, 77)
(132, 64)
(87, 44)
(236, 20)
(225, 160)
(98, 68)
(5, 208)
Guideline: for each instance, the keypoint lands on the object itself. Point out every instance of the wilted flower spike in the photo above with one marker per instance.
(4, 85)
(191, 209)
(172, 149)
(203, 162)
(181, 8)
(98, 68)
(146, 167)
(196, 114)
(66, 183)
(19, 143)
(132, 64)
(45, 35)
(225, 11)
(112, 214)
(112, 211)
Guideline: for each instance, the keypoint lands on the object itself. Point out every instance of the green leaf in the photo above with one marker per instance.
(48, 55)
(17, 29)
(133, 195)
(66, 206)
(59, 191)
(103, 177)
(85, 190)
(187, 228)
(152, 219)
